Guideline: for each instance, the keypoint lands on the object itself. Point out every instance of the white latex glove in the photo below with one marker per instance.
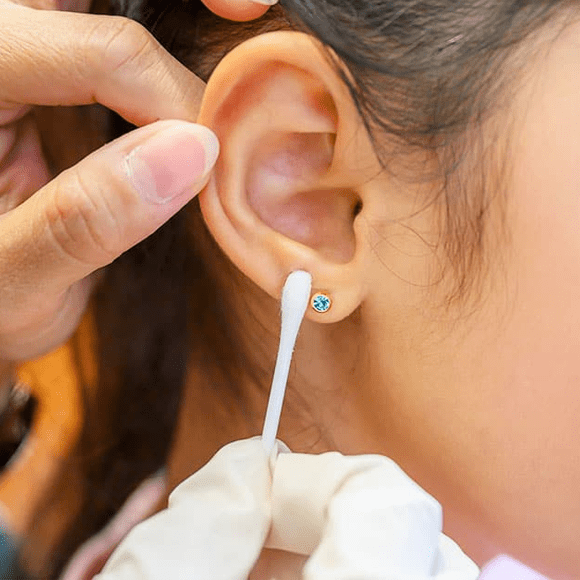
(358, 518)
(213, 529)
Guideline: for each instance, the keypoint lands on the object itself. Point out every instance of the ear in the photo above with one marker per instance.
(294, 169)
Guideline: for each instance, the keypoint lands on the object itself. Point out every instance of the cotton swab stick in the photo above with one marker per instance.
(295, 298)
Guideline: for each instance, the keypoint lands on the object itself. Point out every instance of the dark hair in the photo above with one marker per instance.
(421, 71)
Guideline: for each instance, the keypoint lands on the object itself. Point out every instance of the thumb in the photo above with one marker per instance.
(110, 201)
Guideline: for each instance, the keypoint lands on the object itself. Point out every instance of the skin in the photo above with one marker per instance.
(478, 401)
(240, 10)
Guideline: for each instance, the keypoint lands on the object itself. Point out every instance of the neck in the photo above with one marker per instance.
(320, 411)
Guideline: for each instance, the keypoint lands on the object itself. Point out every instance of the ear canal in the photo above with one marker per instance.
(279, 188)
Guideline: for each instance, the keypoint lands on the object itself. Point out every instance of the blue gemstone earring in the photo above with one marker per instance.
(321, 302)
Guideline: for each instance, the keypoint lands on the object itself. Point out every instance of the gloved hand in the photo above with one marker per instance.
(214, 528)
(360, 517)
(356, 517)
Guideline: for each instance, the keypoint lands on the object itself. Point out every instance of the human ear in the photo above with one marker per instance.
(293, 171)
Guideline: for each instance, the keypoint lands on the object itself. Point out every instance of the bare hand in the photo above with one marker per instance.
(54, 235)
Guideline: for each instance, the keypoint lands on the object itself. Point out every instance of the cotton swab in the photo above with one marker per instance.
(295, 298)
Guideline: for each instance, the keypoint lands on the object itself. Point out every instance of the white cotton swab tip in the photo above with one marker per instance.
(295, 298)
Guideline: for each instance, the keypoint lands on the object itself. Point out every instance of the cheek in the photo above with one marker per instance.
(513, 401)
(544, 331)
(544, 218)
(531, 403)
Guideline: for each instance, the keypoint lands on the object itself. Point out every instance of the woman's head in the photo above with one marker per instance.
(420, 163)
(425, 78)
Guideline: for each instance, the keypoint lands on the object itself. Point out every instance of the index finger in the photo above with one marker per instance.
(63, 58)
(241, 10)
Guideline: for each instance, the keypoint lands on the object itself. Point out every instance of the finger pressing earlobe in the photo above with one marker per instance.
(240, 10)
(287, 191)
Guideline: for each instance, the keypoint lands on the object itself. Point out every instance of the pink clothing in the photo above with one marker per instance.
(92, 555)
(504, 568)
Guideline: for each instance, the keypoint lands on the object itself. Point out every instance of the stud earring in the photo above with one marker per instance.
(321, 303)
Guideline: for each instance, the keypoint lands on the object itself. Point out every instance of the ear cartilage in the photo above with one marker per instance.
(321, 302)
(295, 298)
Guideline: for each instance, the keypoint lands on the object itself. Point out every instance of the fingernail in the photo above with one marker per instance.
(265, 2)
(172, 163)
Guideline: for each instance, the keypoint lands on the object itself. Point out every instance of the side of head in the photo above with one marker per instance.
(410, 156)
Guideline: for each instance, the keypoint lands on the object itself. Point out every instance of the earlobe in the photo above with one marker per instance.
(284, 195)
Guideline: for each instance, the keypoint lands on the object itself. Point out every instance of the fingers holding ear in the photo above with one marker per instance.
(240, 10)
